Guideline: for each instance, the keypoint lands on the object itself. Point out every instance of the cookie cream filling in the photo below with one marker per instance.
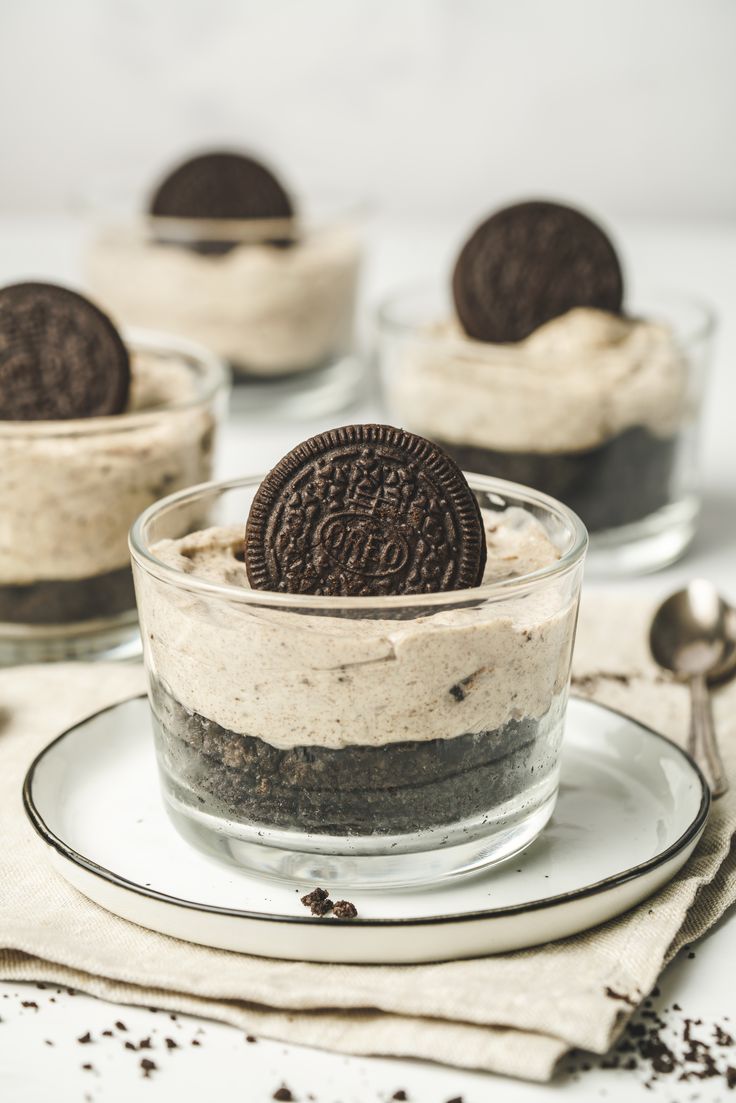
(70, 490)
(269, 311)
(299, 679)
(574, 383)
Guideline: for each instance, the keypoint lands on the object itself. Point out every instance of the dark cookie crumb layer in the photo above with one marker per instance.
(394, 788)
(66, 601)
(622, 481)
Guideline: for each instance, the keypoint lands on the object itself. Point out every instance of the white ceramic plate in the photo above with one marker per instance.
(632, 807)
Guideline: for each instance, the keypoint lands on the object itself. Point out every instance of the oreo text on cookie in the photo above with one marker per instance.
(366, 510)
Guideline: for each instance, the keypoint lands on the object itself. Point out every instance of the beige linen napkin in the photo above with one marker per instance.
(515, 1014)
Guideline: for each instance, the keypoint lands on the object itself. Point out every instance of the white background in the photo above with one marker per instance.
(429, 106)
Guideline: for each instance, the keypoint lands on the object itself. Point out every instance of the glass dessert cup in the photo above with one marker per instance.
(356, 741)
(71, 489)
(274, 298)
(610, 429)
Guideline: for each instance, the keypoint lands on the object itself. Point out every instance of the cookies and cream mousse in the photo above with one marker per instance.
(376, 722)
(570, 386)
(267, 291)
(541, 377)
(76, 472)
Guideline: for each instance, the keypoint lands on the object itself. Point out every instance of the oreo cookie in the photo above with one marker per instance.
(530, 263)
(365, 510)
(222, 186)
(60, 356)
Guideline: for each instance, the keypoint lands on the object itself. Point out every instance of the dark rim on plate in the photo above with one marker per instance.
(597, 887)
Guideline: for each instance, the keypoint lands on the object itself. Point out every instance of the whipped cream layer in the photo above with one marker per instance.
(70, 490)
(267, 310)
(300, 679)
(574, 383)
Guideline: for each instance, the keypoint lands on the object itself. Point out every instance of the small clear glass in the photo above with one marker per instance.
(361, 741)
(613, 435)
(71, 489)
(274, 298)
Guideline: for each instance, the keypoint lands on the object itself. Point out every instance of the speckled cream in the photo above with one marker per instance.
(574, 383)
(269, 311)
(70, 490)
(296, 678)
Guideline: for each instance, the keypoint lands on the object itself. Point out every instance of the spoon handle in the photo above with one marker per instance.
(702, 739)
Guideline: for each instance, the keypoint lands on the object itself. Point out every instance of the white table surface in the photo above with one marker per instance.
(40, 1055)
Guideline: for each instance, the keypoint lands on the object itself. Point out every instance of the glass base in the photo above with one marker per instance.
(645, 546)
(366, 862)
(116, 638)
(303, 394)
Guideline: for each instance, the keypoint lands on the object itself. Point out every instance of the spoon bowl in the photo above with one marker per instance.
(693, 635)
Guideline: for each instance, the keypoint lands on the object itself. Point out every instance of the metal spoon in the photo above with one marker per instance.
(693, 634)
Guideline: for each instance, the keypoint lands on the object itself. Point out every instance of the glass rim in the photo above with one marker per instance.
(245, 231)
(498, 589)
(216, 378)
(387, 321)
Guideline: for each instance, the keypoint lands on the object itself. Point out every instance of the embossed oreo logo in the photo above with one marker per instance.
(364, 511)
(363, 545)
